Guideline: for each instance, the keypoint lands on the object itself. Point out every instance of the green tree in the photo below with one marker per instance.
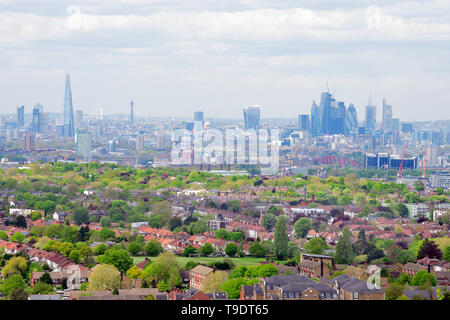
(17, 237)
(104, 277)
(404, 279)
(207, 249)
(100, 249)
(134, 248)
(153, 248)
(105, 222)
(447, 253)
(11, 283)
(41, 288)
(344, 250)
(301, 227)
(120, 258)
(233, 286)
(316, 245)
(81, 215)
(164, 268)
(189, 250)
(19, 294)
(422, 278)
(231, 249)
(393, 291)
(46, 278)
(281, 239)
(268, 221)
(257, 249)
(221, 234)
(15, 265)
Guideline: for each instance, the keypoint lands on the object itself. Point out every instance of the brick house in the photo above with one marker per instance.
(197, 275)
(325, 264)
(253, 292)
(350, 288)
(412, 268)
(308, 290)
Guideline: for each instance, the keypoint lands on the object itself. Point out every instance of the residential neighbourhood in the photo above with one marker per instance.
(240, 238)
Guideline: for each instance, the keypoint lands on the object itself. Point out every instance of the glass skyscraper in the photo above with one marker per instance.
(83, 144)
(351, 120)
(252, 117)
(315, 120)
(69, 127)
(387, 117)
(20, 117)
(198, 116)
(371, 117)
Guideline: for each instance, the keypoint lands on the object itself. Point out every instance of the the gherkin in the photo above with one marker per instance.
(69, 129)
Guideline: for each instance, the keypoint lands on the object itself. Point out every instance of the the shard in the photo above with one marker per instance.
(69, 128)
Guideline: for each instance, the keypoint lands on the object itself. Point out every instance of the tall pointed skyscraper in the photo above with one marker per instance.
(131, 112)
(69, 128)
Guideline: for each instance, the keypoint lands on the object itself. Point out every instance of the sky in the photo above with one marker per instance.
(174, 57)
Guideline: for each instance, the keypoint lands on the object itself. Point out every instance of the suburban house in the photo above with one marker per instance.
(412, 268)
(350, 288)
(197, 275)
(59, 276)
(253, 292)
(270, 285)
(307, 290)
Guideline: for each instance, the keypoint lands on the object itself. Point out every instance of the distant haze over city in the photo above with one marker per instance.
(176, 57)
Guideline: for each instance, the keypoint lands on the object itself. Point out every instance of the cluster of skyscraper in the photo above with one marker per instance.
(333, 117)
(330, 117)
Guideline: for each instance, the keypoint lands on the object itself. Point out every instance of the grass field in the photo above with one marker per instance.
(183, 260)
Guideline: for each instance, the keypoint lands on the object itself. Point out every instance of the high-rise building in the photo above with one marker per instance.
(387, 117)
(20, 117)
(395, 124)
(315, 120)
(78, 118)
(43, 122)
(199, 116)
(303, 122)
(252, 117)
(325, 112)
(351, 120)
(83, 144)
(132, 112)
(29, 141)
(140, 143)
(69, 128)
(337, 118)
(35, 119)
(371, 117)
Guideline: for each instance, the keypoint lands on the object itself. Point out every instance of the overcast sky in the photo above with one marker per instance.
(173, 57)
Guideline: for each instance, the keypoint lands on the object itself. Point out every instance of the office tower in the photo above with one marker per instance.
(395, 124)
(69, 128)
(371, 117)
(20, 117)
(131, 112)
(437, 137)
(140, 143)
(199, 116)
(78, 119)
(83, 144)
(315, 120)
(325, 112)
(35, 119)
(337, 118)
(387, 117)
(43, 122)
(252, 117)
(351, 120)
(303, 122)
(29, 141)
(60, 131)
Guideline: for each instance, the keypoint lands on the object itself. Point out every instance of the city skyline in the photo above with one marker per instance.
(215, 61)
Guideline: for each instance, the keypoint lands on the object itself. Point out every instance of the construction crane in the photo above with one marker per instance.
(424, 164)
(399, 174)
